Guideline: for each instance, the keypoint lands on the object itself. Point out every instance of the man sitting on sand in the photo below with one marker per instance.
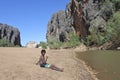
(43, 62)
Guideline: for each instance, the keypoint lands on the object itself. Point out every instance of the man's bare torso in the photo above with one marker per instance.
(42, 60)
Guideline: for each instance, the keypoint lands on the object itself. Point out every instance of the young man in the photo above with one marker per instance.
(43, 62)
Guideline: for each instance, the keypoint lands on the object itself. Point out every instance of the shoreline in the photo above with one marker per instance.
(88, 68)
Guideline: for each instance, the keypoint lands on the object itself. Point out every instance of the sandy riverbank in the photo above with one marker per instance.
(19, 64)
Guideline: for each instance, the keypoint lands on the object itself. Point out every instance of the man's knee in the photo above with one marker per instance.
(52, 65)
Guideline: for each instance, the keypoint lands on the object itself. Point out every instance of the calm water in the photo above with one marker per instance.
(107, 63)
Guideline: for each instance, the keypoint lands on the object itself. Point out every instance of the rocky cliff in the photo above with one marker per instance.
(76, 18)
(10, 33)
(59, 25)
(82, 17)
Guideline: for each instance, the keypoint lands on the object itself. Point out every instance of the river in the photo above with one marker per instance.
(106, 63)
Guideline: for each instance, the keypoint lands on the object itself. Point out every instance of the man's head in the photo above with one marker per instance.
(43, 52)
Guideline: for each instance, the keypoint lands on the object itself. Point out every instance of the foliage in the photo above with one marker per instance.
(114, 1)
(5, 43)
(43, 45)
(97, 32)
(116, 4)
(112, 32)
(71, 43)
(53, 43)
(95, 39)
(73, 40)
(108, 5)
(107, 10)
(113, 28)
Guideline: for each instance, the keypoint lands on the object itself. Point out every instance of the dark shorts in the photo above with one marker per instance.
(45, 65)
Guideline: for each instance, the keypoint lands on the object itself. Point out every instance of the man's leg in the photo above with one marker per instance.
(56, 68)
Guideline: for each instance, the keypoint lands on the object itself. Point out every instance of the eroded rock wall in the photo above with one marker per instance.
(80, 18)
(10, 33)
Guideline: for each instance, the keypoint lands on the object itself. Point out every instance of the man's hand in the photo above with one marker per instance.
(46, 57)
(36, 63)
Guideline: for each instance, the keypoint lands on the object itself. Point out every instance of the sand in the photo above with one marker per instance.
(19, 64)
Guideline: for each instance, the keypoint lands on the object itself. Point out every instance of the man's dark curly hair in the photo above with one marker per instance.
(43, 51)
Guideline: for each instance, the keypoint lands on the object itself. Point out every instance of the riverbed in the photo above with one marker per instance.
(106, 63)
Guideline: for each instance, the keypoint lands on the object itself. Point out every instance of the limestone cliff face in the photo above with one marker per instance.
(10, 33)
(78, 18)
(84, 18)
(59, 25)
(77, 13)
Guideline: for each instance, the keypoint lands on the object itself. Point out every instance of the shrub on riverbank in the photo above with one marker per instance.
(113, 28)
(72, 42)
(5, 43)
(110, 33)
(43, 45)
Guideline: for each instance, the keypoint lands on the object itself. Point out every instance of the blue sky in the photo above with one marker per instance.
(30, 16)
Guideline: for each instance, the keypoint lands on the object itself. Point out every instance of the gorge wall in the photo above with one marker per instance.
(60, 24)
(76, 18)
(10, 33)
(81, 17)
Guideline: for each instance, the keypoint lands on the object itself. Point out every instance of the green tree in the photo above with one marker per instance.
(113, 28)
(43, 45)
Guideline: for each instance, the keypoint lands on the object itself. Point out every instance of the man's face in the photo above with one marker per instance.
(43, 53)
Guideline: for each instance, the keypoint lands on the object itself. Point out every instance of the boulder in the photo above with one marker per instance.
(32, 44)
(97, 25)
(81, 48)
(118, 48)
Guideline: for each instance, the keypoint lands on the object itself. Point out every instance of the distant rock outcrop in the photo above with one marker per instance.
(32, 44)
(10, 33)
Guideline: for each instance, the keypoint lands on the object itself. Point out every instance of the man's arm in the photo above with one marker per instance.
(38, 61)
(46, 58)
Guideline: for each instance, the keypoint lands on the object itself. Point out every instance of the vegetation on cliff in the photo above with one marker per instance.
(113, 28)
